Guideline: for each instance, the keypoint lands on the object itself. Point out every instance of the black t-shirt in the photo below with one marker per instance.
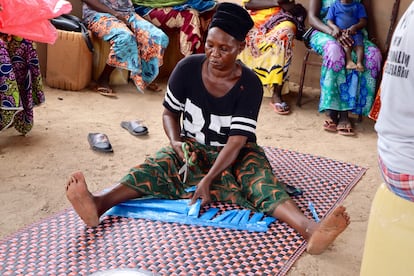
(211, 120)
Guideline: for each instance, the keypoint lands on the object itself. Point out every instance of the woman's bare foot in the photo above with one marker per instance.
(327, 231)
(81, 199)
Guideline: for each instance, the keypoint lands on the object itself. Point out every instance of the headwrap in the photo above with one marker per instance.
(232, 19)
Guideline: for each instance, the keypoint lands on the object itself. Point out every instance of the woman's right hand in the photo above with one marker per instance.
(345, 39)
(177, 146)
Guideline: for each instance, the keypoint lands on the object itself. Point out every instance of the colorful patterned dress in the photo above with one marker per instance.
(341, 89)
(269, 51)
(137, 46)
(190, 17)
(20, 83)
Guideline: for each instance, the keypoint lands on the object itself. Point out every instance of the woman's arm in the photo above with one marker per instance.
(225, 158)
(369, 27)
(172, 128)
(313, 17)
(336, 32)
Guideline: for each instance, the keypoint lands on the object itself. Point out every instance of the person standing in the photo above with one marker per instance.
(21, 86)
(390, 235)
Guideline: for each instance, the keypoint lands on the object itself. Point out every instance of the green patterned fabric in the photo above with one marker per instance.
(249, 182)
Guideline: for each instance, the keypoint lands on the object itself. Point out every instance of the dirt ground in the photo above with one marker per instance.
(34, 168)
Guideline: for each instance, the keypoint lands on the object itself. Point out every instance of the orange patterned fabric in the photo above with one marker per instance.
(375, 109)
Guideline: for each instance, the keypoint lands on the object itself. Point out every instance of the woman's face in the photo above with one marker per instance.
(222, 49)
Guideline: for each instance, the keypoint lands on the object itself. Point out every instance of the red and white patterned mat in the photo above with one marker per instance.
(62, 245)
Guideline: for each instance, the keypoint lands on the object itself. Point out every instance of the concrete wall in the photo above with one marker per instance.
(380, 12)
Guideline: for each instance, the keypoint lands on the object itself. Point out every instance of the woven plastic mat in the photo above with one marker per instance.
(62, 245)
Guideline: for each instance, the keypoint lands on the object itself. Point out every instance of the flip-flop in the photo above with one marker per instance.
(135, 128)
(330, 126)
(280, 108)
(154, 87)
(345, 129)
(105, 91)
(99, 142)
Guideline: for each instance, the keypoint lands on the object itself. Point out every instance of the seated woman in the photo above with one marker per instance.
(21, 86)
(212, 116)
(136, 44)
(269, 44)
(190, 17)
(342, 90)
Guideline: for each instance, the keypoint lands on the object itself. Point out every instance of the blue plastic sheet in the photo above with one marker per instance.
(181, 211)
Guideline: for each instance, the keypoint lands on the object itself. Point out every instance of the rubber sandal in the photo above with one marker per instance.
(135, 128)
(345, 129)
(280, 108)
(99, 142)
(106, 91)
(330, 126)
(154, 87)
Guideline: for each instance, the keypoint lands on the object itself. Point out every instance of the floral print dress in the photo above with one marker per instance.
(342, 89)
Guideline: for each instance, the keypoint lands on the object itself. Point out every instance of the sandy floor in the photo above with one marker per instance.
(34, 168)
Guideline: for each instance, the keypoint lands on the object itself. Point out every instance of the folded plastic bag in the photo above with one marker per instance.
(30, 18)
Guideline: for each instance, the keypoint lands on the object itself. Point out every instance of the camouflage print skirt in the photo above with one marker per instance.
(249, 181)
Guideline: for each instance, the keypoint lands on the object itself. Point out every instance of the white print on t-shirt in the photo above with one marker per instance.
(398, 61)
(397, 64)
(195, 126)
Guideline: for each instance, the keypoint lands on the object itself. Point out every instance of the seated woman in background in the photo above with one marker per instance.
(342, 90)
(21, 87)
(190, 17)
(136, 44)
(269, 44)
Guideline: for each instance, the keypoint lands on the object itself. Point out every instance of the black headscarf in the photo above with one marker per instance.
(232, 19)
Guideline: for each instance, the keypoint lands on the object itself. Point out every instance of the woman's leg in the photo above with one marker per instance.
(158, 176)
(319, 235)
(264, 192)
(279, 105)
(344, 124)
(151, 44)
(122, 42)
(103, 81)
(90, 207)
